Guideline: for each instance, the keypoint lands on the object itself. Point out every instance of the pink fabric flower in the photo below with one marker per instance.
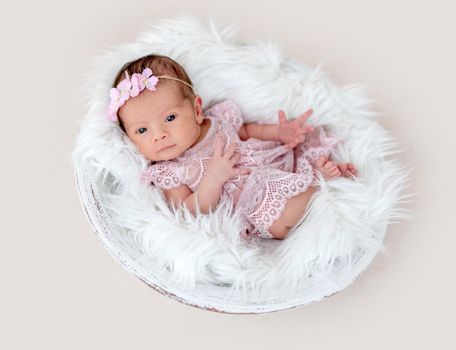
(124, 90)
(148, 81)
(129, 88)
(135, 85)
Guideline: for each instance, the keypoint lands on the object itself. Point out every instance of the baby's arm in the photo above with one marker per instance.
(288, 132)
(177, 195)
(206, 195)
(265, 132)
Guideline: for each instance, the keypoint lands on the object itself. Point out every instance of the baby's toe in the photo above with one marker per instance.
(335, 172)
(351, 167)
(349, 174)
(320, 161)
(353, 171)
(329, 165)
(342, 167)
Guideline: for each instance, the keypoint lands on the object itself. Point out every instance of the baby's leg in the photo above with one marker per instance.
(294, 210)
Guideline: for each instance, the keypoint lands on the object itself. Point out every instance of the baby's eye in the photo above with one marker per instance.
(171, 115)
(169, 118)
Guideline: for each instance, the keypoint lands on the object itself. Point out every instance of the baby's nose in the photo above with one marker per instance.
(161, 136)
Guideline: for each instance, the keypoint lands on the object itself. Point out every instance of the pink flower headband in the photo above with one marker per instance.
(132, 87)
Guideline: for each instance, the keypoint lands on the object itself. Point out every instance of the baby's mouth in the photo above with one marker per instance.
(166, 148)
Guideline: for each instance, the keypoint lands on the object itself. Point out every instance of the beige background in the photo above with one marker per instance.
(61, 290)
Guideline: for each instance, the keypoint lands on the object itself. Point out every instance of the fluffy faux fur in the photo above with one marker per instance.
(345, 218)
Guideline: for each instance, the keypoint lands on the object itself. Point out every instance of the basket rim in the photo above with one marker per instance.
(85, 186)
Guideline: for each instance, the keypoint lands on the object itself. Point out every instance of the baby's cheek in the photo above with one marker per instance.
(148, 153)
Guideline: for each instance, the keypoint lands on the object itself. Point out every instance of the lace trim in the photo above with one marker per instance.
(278, 200)
(166, 176)
(269, 199)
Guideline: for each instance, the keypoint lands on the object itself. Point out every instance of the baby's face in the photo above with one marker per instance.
(157, 119)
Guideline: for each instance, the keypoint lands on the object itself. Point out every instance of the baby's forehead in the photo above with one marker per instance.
(161, 97)
(163, 105)
(144, 109)
(156, 108)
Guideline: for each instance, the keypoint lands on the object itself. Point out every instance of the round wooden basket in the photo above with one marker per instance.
(205, 296)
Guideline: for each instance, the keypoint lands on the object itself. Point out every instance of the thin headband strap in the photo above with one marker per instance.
(166, 77)
(169, 77)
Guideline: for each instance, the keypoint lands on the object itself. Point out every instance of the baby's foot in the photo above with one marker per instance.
(347, 169)
(331, 170)
(328, 169)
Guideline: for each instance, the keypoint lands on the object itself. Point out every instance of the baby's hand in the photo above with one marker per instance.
(220, 167)
(292, 132)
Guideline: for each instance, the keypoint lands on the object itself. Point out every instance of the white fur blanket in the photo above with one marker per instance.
(346, 217)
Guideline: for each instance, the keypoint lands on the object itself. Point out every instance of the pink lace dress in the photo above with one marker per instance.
(277, 173)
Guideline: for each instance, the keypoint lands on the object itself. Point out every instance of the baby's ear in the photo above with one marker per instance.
(198, 103)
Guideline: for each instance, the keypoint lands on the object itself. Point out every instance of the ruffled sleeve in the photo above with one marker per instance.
(164, 174)
(229, 113)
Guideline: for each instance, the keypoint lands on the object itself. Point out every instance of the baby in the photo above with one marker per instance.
(198, 157)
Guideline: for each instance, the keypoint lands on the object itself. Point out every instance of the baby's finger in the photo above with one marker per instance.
(310, 128)
(235, 157)
(243, 171)
(218, 146)
(306, 128)
(282, 117)
(230, 150)
(303, 118)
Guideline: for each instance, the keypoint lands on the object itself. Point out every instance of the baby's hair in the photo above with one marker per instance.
(160, 65)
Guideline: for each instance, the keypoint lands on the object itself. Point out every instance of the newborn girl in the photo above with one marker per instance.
(200, 157)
